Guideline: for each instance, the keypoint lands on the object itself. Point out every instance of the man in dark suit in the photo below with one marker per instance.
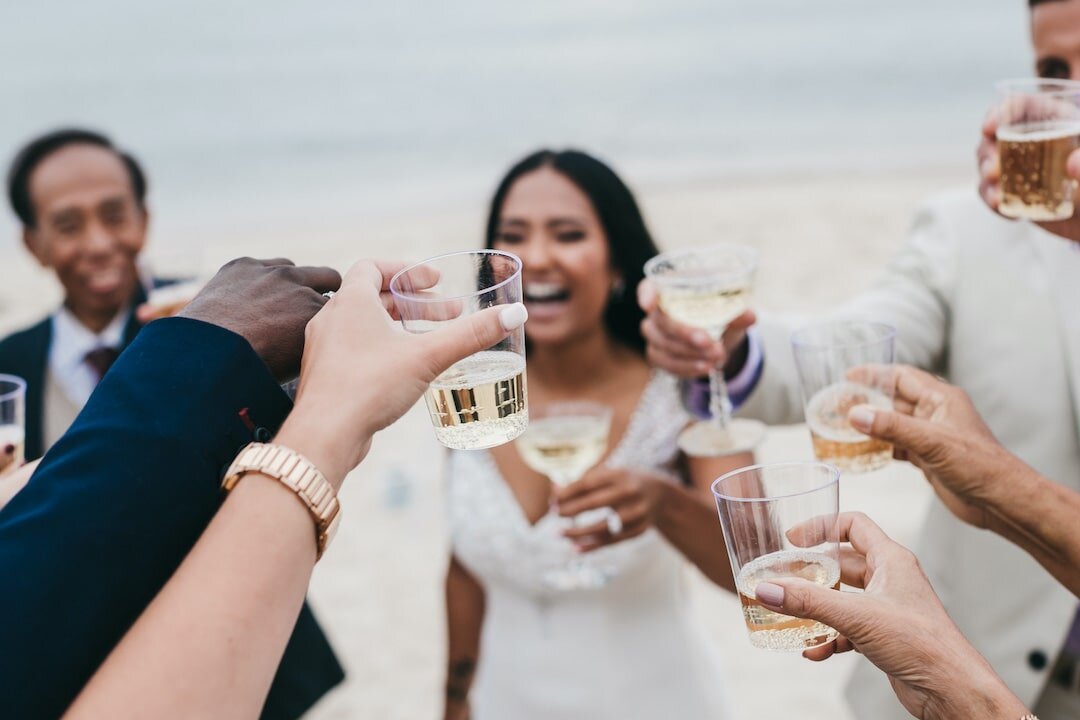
(82, 205)
(124, 495)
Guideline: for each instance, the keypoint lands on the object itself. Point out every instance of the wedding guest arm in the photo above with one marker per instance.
(936, 427)
(226, 614)
(116, 505)
(464, 620)
(900, 626)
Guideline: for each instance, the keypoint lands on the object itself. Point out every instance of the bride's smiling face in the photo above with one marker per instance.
(549, 223)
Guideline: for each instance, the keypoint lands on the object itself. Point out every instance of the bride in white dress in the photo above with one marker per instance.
(518, 648)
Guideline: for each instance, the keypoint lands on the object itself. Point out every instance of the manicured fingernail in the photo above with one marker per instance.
(861, 417)
(987, 166)
(769, 594)
(513, 316)
(701, 339)
(702, 367)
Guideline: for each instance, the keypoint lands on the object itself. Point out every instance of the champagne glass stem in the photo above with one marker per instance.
(720, 406)
(580, 566)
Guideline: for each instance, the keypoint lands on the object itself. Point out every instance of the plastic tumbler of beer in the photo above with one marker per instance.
(482, 400)
(781, 521)
(12, 422)
(1038, 127)
(834, 361)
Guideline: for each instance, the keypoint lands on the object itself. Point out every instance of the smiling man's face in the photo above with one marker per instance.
(89, 228)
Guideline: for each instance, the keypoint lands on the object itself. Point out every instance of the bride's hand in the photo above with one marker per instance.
(361, 371)
(632, 495)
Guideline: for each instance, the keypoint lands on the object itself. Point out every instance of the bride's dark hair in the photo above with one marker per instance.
(629, 240)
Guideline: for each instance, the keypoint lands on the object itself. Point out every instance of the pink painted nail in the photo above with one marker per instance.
(769, 594)
(861, 418)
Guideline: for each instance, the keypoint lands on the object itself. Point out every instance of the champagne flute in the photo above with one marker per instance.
(563, 441)
(707, 288)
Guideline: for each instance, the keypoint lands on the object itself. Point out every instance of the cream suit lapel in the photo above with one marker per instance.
(1062, 262)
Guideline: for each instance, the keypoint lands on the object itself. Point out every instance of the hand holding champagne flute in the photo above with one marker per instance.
(707, 289)
(563, 441)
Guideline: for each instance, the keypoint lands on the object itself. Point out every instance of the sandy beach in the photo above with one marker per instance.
(379, 589)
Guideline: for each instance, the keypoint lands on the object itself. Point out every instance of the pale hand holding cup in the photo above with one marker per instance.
(935, 426)
(898, 624)
(361, 371)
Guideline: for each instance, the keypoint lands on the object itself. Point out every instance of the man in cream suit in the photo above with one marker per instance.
(994, 306)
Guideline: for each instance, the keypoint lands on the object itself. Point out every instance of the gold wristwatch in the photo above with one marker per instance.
(297, 473)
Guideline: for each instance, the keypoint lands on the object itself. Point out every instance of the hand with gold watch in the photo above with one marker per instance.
(227, 612)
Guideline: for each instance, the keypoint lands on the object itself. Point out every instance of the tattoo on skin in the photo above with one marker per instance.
(457, 684)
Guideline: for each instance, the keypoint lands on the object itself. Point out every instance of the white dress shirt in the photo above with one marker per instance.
(71, 341)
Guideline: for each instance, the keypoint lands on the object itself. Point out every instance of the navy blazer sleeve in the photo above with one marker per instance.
(116, 505)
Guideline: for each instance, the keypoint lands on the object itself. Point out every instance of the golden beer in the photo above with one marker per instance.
(835, 441)
(775, 631)
(1034, 183)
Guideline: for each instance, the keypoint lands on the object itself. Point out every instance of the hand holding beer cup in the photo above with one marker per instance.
(1022, 157)
(682, 350)
(935, 426)
(898, 623)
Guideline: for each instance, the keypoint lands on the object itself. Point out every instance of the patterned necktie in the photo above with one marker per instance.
(101, 359)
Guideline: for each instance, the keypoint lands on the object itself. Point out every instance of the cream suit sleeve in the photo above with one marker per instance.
(913, 293)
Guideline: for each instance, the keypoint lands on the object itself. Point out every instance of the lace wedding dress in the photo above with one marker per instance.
(625, 651)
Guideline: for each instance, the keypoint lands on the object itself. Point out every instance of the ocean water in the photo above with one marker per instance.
(264, 115)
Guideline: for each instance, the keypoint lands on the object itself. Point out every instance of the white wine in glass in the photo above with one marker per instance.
(563, 441)
(564, 447)
(480, 402)
(12, 422)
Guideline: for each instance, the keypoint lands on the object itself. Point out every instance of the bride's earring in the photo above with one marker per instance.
(618, 289)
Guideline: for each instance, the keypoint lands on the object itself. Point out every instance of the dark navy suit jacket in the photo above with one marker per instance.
(26, 354)
(119, 501)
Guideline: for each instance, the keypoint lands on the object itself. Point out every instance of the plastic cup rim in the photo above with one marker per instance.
(653, 262)
(888, 332)
(447, 298)
(833, 474)
(19, 389)
(1012, 85)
